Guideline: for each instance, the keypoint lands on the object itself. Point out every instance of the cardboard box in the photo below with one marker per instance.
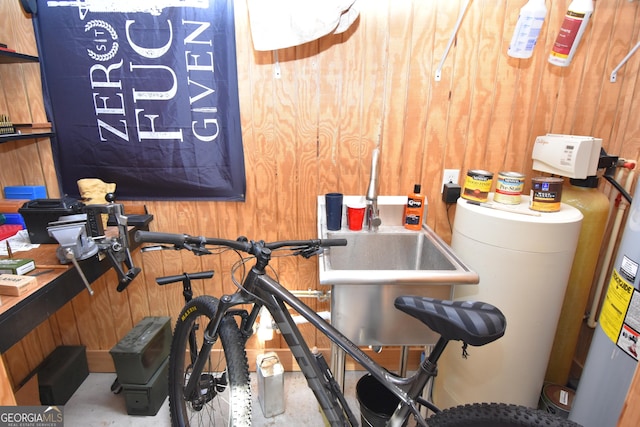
(17, 266)
(15, 285)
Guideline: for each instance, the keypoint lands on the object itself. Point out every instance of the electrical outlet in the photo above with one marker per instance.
(450, 175)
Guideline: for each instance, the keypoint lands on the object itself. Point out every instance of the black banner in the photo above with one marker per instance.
(144, 94)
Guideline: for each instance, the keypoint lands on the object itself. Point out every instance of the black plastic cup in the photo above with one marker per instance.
(333, 203)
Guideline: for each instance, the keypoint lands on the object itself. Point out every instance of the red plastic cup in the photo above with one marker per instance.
(355, 216)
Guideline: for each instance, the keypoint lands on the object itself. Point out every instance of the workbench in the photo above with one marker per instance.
(57, 285)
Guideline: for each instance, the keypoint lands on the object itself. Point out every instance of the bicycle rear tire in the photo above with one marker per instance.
(225, 395)
(496, 415)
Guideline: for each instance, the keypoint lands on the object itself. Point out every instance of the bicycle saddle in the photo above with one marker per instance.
(473, 322)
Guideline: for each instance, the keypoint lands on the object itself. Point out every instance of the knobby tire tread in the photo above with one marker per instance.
(496, 415)
(235, 356)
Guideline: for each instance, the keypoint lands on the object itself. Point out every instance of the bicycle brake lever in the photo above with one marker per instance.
(197, 250)
(309, 252)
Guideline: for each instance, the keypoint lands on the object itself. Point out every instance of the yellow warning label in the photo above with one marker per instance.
(615, 306)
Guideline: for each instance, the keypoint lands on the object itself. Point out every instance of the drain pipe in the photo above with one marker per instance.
(320, 296)
(265, 327)
(604, 271)
(299, 320)
(309, 293)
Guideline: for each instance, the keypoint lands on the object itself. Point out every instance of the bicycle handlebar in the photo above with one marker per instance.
(181, 240)
(184, 239)
(166, 280)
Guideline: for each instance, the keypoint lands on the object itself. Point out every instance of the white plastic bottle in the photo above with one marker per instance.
(525, 35)
(571, 31)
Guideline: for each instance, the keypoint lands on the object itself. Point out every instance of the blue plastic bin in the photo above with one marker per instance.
(25, 192)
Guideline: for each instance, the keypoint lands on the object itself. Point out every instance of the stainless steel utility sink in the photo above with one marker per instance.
(376, 267)
(392, 254)
(387, 251)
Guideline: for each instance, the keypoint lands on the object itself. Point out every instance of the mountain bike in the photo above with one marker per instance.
(209, 371)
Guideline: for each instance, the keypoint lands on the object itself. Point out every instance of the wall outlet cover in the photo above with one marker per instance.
(450, 176)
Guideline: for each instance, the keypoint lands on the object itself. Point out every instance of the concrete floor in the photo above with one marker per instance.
(94, 405)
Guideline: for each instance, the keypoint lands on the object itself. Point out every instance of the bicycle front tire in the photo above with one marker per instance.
(496, 415)
(224, 393)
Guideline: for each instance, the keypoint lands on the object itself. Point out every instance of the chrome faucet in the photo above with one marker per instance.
(372, 214)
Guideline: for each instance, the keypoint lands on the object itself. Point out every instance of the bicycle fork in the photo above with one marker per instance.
(314, 367)
(192, 388)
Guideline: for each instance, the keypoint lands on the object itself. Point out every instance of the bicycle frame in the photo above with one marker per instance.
(261, 290)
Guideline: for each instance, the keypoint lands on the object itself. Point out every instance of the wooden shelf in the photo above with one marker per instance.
(32, 135)
(28, 131)
(7, 57)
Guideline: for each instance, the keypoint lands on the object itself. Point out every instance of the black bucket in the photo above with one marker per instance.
(377, 403)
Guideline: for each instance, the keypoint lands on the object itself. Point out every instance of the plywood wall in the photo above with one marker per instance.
(312, 130)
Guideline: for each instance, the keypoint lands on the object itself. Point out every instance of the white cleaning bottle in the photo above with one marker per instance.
(571, 31)
(527, 29)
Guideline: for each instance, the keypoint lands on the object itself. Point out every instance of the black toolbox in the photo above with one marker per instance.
(140, 353)
(61, 373)
(146, 399)
(38, 213)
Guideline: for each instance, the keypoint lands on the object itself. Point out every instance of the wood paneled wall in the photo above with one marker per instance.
(312, 130)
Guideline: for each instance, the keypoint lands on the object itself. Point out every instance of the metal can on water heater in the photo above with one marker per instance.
(509, 188)
(546, 194)
(477, 185)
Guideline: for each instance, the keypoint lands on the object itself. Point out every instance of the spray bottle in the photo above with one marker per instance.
(527, 29)
(571, 31)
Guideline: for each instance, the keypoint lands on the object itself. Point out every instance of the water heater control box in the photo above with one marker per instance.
(571, 156)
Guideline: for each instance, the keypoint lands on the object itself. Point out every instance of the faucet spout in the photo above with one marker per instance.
(372, 215)
(372, 190)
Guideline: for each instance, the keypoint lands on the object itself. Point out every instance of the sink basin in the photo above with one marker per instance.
(393, 254)
(387, 251)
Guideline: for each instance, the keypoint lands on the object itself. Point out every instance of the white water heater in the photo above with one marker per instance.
(613, 355)
(524, 263)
